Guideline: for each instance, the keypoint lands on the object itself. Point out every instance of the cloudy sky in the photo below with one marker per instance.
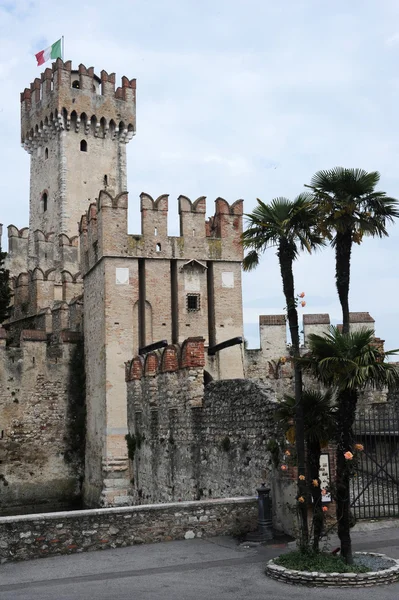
(239, 99)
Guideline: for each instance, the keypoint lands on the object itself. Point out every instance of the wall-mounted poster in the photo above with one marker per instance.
(324, 475)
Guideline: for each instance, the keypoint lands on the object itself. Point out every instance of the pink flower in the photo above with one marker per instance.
(283, 467)
(324, 509)
(303, 303)
(301, 295)
(348, 455)
(359, 447)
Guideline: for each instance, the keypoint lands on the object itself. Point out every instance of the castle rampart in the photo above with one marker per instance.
(188, 442)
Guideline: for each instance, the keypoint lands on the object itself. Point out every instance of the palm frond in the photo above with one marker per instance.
(251, 261)
(282, 222)
(349, 361)
(319, 414)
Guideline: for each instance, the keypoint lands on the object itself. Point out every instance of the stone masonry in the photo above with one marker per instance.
(190, 443)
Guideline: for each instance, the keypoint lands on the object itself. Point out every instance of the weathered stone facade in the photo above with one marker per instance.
(41, 445)
(190, 443)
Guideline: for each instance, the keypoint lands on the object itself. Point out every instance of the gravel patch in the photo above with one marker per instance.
(373, 562)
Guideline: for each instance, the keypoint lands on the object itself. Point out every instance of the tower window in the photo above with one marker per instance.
(44, 202)
(158, 247)
(83, 146)
(46, 154)
(193, 302)
(76, 84)
(105, 181)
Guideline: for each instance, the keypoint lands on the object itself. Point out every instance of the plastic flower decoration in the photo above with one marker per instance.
(303, 303)
(348, 455)
(359, 447)
(301, 499)
(301, 295)
(301, 477)
(315, 483)
(283, 360)
(284, 467)
(324, 509)
(287, 453)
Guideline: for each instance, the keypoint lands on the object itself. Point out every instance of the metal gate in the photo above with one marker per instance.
(375, 487)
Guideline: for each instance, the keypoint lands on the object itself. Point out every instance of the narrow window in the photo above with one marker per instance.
(44, 201)
(83, 146)
(158, 247)
(46, 154)
(76, 84)
(105, 181)
(193, 302)
(155, 231)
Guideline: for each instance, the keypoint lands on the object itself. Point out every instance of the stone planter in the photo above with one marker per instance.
(316, 579)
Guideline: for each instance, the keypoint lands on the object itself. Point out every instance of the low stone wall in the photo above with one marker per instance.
(35, 536)
(315, 579)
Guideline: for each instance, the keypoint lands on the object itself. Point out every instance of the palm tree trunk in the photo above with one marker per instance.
(286, 258)
(346, 415)
(314, 452)
(343, 250)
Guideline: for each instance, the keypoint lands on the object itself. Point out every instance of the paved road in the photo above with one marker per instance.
(187, 570)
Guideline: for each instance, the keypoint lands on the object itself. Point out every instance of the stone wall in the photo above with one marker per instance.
(41, 422)
(187, 443)
(44, 535)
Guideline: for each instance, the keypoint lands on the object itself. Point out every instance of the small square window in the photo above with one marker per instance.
(193, 302)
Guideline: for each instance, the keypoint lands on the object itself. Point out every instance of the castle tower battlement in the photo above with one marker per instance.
(75, 126)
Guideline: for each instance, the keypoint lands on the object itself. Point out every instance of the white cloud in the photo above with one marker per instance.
(393, 40)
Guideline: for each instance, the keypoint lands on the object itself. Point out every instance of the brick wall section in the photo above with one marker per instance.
(36, 536)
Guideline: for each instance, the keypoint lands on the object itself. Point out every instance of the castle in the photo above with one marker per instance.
(82, 284)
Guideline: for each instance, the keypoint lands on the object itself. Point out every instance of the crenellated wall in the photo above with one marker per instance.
(187, 442)
(272, 362)
(41, 421)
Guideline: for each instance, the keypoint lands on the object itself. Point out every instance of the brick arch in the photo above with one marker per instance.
(151, 364)
(135, 368)
(192, 352)
(170, 359)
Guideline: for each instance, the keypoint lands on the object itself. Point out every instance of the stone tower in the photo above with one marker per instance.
(75, 126)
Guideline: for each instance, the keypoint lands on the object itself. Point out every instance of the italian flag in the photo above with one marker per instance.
(53, 51)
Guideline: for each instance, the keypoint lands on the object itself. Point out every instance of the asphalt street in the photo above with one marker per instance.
(184, 570)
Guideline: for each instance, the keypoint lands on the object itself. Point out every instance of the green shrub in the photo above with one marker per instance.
(317, 561)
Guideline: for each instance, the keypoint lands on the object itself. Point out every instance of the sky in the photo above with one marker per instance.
(238, 99)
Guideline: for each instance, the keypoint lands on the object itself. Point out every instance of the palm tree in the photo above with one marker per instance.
(319, 429)
(350, 209)
(289, 226)
(347, 363)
